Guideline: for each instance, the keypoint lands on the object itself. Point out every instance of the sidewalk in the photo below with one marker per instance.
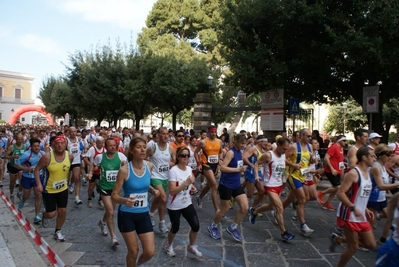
(16, 247)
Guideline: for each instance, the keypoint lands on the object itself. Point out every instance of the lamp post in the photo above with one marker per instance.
(209, 80)
(344, 106)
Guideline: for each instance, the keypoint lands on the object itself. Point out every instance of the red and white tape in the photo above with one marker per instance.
(50, 254)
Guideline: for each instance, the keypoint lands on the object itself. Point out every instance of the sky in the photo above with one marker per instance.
(37, 36)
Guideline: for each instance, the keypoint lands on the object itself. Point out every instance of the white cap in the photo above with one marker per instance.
(374, 135)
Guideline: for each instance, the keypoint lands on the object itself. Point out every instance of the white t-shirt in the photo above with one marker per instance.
(182, 199)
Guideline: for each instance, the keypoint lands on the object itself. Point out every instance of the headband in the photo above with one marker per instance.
(212, 129)
(59, 138)
(262, 140)
(341, 139)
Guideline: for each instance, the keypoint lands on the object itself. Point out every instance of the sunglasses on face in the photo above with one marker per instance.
(184, 155)
(180, 135)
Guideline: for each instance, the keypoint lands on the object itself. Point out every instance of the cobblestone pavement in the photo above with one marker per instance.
(262, 245)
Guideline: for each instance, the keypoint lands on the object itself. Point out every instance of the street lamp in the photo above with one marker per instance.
(344, 106)
(210, 80)
(12, 110)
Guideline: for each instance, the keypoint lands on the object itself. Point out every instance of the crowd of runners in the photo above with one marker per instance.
(153, 175)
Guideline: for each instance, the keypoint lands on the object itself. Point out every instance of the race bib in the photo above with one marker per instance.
(141, 200)
(365, 191)
(193, 166)
(111, 176)
(74, 151)
(240, 163)
(213, 159)
(341, 166)
(163, 168)
(59, 184)
(304, 171)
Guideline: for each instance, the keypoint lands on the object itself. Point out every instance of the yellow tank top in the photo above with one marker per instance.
(304, 163)
(210, 153)
(58, 174)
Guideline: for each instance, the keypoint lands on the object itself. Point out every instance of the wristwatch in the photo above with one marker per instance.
(352, 208)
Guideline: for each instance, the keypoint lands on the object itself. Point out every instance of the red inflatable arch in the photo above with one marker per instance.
(21, 110)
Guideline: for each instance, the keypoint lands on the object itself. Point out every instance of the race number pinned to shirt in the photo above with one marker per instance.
(304, 171)
(341, 166)
(140, 200)
(240, 163)
(59, 184)
(163, 168)
(366, 190)
(213, 159)
(111, 176)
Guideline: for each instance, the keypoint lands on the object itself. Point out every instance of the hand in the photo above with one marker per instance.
(257, 178)
(156, 192)
(370, 215)
(358, 213)
(130, 201)
(199, 168)
(297, 167)
(243, 168)
(190, 179)
(39, 188)
(89, 176)
(334, 172)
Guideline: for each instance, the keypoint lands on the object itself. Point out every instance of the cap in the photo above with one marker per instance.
(374, 135)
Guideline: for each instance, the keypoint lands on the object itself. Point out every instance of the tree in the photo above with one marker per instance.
(315, 50)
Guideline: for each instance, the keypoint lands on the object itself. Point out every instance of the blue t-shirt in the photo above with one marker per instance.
(138, 187)
(29, 159)
(232, 180)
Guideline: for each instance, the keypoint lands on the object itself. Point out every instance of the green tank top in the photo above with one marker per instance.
(109, 171)
(16, 151)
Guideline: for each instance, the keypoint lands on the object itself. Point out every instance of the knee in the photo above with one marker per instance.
(133, 252)
(195, 227)
(244, 207)
(149, 252)
(175, 228)
(224, 209)
(50, 215)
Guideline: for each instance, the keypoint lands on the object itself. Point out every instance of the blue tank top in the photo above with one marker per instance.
(232, 180)
(376, 195)
(137, 186)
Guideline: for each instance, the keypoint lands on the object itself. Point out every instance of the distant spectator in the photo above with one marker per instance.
(226, 135)
(316, 135)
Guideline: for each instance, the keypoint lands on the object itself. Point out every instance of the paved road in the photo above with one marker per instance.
(85, 246)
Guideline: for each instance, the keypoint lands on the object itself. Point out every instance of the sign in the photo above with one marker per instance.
(371, 99)
(272, 119)
(294, 106)
(273, 99)
(66, 119)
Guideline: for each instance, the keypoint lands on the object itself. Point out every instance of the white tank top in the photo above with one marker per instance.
(161, 160)
(73, 148)
(274, 170)
(191, 161)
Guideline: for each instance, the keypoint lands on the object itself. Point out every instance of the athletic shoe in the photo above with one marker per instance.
(114, 241)
(16, 183)
(306, 231)
(19, 195)
(78, 201)
(251, 215)
(363, 249)
(231, 205)
(101, 204)
(21, 204)
(199, 202)
(214, 232)
(93, 195)
(12, 198)
(333, 241)
(71, 189)
(90, 204)
(339, 231)
(103, 228)
(59, 237)
(235, 233)
(287, 236)
(328, 206)
(37, 219)
(194, 249)
(163, 228)
(320, 197)
(44, 221)
(295, 216)
(169, 250)
(274, 216)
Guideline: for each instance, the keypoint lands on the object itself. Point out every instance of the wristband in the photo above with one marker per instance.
(199, 163)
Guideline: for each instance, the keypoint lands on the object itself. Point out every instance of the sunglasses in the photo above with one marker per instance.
(184, 155)
(180, 135)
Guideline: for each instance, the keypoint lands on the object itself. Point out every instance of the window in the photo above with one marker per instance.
(1, 90)
(1, 116)
(17, 93)
(23, 119)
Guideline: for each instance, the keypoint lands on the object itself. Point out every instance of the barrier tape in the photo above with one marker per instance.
(50, 254)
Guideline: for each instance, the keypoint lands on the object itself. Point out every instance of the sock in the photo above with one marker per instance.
(285, 232)
(302, 224)
(76, 197)
(152, 214)
(234, 225)
(214, 225)
(56, 230)
(163, 221)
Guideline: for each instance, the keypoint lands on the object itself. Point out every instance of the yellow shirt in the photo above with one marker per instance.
(58, 171)
(304, 163)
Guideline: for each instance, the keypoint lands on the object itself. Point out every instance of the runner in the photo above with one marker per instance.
(133, 216)
(14, 152)
(27, 162)
(334, 170)
(274, 170)
(181, 181)
(230, 186)
(162, 156)
(74, 149)
(352, 213)
(109, 164)
(54, 186)
(208, 163)
(361, 137)
(179, 140)
(374, 140)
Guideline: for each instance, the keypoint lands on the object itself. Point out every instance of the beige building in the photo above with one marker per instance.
(16, 90)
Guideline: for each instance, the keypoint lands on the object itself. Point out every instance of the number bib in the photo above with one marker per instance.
(240, 163)
(141, 200)
(193, 166)
(111, 176)
(304, 171)
(74, 151)
(59, 184)
(366, 191)
(163, 168)
(213, 159)
(341, 166)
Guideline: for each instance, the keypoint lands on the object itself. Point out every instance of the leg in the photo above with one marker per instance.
(132, 248)
(278, 206)
(261, 193)
(352, 239)
(148, 245)
(38, 201)
(191, 217)
(174, 216)
(76, 180)
(301, 198)
(312, 191)
(109, 214)
(13, 178)
(211, 182)
(242, 201)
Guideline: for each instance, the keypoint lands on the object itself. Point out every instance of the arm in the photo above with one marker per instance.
(265, 158)
(221, 153)
(120, 179)
(288, 154)
(327, 161)
(350, 178)
(352, 158)
(150, 151)
(43, 162)
(175, 189)
(9, 152)
(197, 155)
(249, 151)
(376, 172)
(172, 152)
(226, 161)
(390, 164)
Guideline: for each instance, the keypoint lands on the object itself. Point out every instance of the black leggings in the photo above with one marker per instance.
(189, 214)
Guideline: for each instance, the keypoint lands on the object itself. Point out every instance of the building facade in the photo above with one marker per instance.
(16, 90)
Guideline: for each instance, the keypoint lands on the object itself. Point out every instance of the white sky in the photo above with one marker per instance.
(36, 36)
